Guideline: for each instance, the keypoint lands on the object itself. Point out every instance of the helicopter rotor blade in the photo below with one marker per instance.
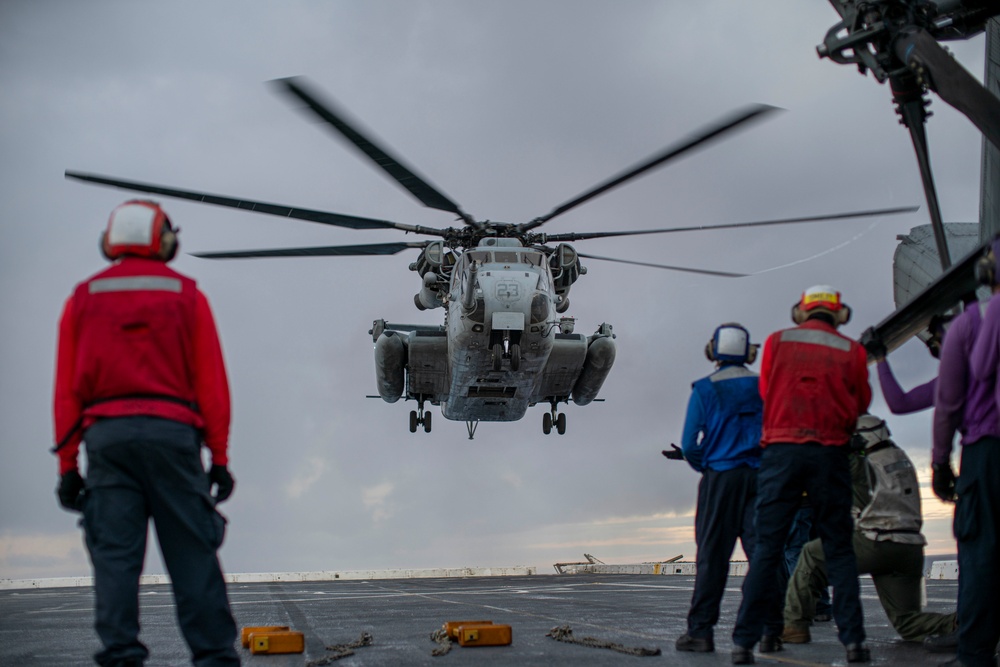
(319, 251)
(944, 75)
(579, 236)
(708, 272)
(704, 136)
(322, 217)
(426, 193)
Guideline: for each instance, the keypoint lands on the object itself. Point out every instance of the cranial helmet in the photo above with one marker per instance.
(731, 344)
(821, 299)
(986, 267)
(870, 431)
(139, 228)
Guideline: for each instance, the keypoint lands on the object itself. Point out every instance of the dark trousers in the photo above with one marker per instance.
(977, 526)
(725, 513)
(786, 470)
(141, 468)
(802, 532)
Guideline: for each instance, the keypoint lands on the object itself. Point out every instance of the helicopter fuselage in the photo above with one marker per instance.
(499, 332)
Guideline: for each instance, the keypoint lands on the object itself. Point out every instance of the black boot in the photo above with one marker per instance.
(695, 644)
(742, 656)
(858, 653)
(942, 643)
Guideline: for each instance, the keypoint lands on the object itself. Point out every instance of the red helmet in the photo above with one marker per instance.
(821, 298)
(139, 228)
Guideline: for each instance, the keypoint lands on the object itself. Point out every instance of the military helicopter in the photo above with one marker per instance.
(897, 41)
(505, 343)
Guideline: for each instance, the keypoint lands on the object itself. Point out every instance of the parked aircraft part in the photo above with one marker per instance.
(915, 263)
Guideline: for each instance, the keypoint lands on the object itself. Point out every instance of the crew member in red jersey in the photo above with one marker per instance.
(814, 383)
(141, 382)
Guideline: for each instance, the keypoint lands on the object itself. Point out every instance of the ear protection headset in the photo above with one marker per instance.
(821, 298)
(731, 343)
(139, 228)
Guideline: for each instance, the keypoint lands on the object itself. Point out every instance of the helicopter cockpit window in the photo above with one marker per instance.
(533, 258)
(505, 257)
(481, 256)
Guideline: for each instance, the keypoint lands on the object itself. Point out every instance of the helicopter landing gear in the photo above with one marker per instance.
(497, 356)
(419, 417)
(554, 418)
(507, 348)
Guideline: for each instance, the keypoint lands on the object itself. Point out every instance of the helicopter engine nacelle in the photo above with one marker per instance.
(434, 264)
(596, 366)
(429, 295)
(390, 364)
(566, 268)
(435, 258)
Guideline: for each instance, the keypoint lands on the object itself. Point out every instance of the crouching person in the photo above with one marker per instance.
(888, 543)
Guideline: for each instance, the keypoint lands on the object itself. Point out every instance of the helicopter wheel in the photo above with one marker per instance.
(413, 421)
(561, 423)
(546, 423)
(515, 357)
(427, 422)
(497, 356)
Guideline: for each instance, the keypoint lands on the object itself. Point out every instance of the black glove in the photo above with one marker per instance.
(676, 455)
(70, 491)
(874, 344)
(943, 481)
(224, 482)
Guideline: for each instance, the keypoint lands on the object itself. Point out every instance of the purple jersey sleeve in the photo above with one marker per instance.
(919, 398)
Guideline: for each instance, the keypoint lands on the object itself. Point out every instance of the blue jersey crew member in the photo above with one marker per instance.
(967, 402)
(814, 383)
(724, 411)
(140, 380)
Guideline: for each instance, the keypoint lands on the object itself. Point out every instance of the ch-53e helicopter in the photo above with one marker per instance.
(505, 344)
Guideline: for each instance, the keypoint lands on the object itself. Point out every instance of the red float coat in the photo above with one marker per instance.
(139, 339)
(814, 383)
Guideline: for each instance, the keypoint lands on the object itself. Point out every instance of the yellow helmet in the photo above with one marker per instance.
(821, 298)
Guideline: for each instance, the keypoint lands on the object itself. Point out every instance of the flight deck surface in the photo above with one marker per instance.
(53, 626)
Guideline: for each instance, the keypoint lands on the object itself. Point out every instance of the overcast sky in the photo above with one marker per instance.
(510, 108)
